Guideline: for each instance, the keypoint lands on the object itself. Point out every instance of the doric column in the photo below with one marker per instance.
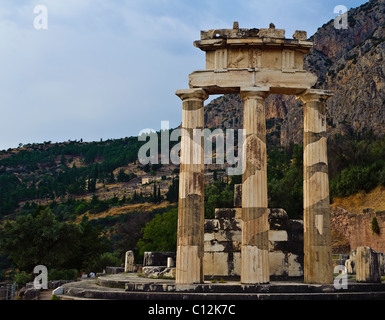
(190, 250)
(255, 230)
(318, 267)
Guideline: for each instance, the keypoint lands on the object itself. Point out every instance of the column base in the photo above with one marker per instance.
(189, 265)
(255, 266)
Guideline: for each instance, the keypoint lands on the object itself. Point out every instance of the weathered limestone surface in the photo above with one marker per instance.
(191, 190)
(254, 63)
(367, 265)
(318, 266)
(230, 80)
(237, 58)
(129, 265)
(255, 237)
(223, 239)
(350, 264)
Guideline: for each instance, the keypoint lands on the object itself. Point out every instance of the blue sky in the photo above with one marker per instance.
(110, 68)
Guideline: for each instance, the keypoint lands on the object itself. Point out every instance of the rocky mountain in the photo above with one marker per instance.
(348, 62)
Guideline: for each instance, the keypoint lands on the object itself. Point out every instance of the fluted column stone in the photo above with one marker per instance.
(318, 268)
(190, 246)
(255, 230)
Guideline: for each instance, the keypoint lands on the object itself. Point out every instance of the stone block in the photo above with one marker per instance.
(170, 263)
(114, 270)
(278, 264)
(152, 272)
(215, 246)
(278, 235)
(168, 273)
(209, 237)
(238, 213)
(350, 266)
(381, 257)
(300, 35)
(367, 266)
(31, 294)
(129, 265)
(211, 225)
(272, 33)
(222, 264)
(295, 268)
(58, 291)
(223, 236)
(230, 224)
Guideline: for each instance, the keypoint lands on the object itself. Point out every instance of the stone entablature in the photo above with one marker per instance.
(253, 57)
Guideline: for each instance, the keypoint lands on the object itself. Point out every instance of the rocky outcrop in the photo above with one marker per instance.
(348, 62)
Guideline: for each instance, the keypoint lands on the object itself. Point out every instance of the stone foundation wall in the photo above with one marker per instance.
(223, 239)
(357, 229)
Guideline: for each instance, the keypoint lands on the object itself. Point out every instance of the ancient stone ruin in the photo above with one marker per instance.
(254, 63)
(223, 242)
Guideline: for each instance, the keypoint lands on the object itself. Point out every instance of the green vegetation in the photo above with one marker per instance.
(219, 194)
(375, 226)
(33, 234)
(41, 171)
(39, 238)
(160, 234)
(356, 164)
(285, 179)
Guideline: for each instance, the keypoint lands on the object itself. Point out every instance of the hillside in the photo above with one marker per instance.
(102, 183)
(357, 203)
(42, 173)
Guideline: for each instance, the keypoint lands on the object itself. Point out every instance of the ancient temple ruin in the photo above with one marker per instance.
(254, 63)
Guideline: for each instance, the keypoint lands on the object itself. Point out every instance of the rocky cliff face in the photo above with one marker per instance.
(348, 62)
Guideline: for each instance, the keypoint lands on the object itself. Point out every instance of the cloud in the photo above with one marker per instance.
(109, 68)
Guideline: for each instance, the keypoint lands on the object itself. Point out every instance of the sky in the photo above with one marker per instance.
(108, 69)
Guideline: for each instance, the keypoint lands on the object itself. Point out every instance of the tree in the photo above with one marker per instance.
(173, 191)
(92, 185)
(40, 239)
(218, 195)
(160, 234)
(112, 178)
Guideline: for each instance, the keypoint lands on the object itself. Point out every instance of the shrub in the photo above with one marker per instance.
(375, 226)
(22, 278)
(70, 274)
(107, 259)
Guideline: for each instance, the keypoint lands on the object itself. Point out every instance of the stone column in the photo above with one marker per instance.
(190, 247)
(129, 265)
(255, 231)
(318, 268)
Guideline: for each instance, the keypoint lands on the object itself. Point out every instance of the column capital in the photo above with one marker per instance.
(192, 94)
(314, 95)
(249, 92)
